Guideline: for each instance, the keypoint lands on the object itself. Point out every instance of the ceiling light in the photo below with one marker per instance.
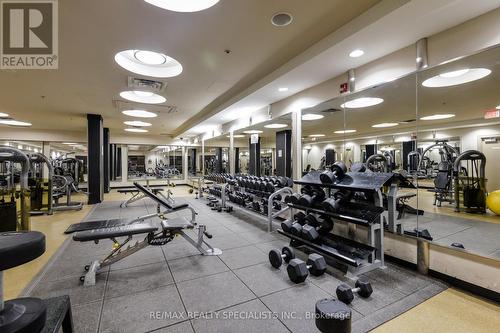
(312, 116)
(3, 115)
(148, 63)
(345, 131)
(143, 97)
(236, 136)
(12, 122)
(383, 125)
(276, 126)
(137, 123)
(140, 113)
(438, 116)
(282, 89)
(136, 130)
(253, 132)
(362, 102)
(281, 19)
(183, 6)
(69, 143)
(356, 53)
(316, 135)
(498, 107)
(457, 77)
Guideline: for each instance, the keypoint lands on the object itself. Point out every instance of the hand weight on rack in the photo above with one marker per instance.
(337, 172)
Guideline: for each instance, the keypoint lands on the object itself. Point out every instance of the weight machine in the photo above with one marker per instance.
(470, 181)
(42, 195)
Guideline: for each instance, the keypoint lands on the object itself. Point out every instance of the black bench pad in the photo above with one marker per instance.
(99, 224)
(176, 224)
(133, 190)
(126, 230)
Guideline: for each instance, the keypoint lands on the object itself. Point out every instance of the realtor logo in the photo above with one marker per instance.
(29, 35)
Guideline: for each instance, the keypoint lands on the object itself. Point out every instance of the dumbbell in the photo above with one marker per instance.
(299, 221)
(334, 203)
(276, 257)
(298, 270)
(293, 198)
(337, 172)
(346, 293)
(312, 196)
(314, 228)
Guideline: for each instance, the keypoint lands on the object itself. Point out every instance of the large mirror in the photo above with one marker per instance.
(154, 162)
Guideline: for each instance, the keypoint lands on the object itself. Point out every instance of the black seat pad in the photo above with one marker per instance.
(20, 247)
(99, 224)
(126, 230)
(176, 224)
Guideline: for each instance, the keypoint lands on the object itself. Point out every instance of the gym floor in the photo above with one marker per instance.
(176, 278)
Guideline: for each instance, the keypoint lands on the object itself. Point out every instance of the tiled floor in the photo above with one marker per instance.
(168, 288)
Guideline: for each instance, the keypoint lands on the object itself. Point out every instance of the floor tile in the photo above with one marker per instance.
(243, 256)
(86, 317)
(275, 279)
(184, 327)
(195, 267)
(148, 255)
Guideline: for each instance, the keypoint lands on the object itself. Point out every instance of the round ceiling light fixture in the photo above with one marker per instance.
(136, 130)
(345, 131)
(456, 77)
(12, 122)
(139, 113)
(142, 97)
(70, 143)
(183, 6)
(362, 102)
(312, 116)
(316, 135)
(384, 125)
(236, 136)
(438, 116)
(498, 107)
(3, 115)
(253, 132)
(283, 89)
(281, 19)
(356, 53)
(276, 126)
(137, 123)
(148, 63)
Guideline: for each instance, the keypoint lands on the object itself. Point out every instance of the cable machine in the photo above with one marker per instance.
(470, 181)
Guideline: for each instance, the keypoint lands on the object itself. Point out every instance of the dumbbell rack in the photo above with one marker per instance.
(373, 249)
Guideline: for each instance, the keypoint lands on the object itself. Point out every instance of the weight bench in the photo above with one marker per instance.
(154, 237)
(137, 195)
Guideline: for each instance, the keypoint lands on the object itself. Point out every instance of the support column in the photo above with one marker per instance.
(185, 165)
(124, 163)
(203, 157)
(254, 162)
(218, 160)
(46, 152)
(296, 146)
(236, 160)
(107, 160)
(95, 158)
(232, 165)
(284, 153)
(118, 162)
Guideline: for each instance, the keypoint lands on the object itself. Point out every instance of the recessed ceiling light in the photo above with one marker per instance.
(136, 130)
(457, 77)
(283, 89)
(276, 126)
(3, 115)
(498, 107)
(281, 19)
(143, 97)
(12, 122)
(236, 136)
(316, 135)
(148, 63)
(253, 132)
(69, 143)
(137, 123)
(362, 102)
(312, 116)
(356, 53)
(383, 125)
(183, 6)
(140, 113)
(438, 116)
(345, 131)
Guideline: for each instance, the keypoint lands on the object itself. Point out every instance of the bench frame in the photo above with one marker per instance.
(139, 196)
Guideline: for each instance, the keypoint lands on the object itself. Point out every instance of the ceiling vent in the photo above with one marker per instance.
(281, 19)
(135, 83)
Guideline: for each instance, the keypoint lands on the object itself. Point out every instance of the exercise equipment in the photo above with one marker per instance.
(276, 257)
(20, 314)
(377, 163)
(332, 316)
(316, 227)
(298, 270)
(346, 293)
(471, 185)
(493, 202)
(337, 172)
(334, 203)
(42, 194)
(311, 196)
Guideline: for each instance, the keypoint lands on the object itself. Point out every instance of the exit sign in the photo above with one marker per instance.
(492, 114)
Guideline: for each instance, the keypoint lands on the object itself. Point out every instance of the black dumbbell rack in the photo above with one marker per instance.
(358, 257)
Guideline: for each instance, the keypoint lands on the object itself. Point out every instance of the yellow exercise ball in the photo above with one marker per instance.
(493, 202)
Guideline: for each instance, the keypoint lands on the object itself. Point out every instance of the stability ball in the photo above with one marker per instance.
(493, 202)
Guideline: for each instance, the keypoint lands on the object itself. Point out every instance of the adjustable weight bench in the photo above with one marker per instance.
(137, 195)
(154, 237)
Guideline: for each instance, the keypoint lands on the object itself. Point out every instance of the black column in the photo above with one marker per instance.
(218, 160)
(118, 162)
(236, 160)
(370, 150)
(192, 160)
(95, 158)
(107, 160)
(112, 159)
(284, 153)
(408, 147)
(329, 157)
(254, 163)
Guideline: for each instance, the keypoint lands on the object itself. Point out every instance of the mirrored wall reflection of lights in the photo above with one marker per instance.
(283, 89)
(236, 136)
(456, 77)
(385, 125)
(148, 63)
(438, 116)
(3, 115)
(275, 126)
(356, 53)
(253, 132)
(137, 123)
(183, 6)
(362, 102)
(139, 113)
(146, 97)
(312, 116)
(13, 122)
(136, 130)
(345, 131)
(316, 135)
